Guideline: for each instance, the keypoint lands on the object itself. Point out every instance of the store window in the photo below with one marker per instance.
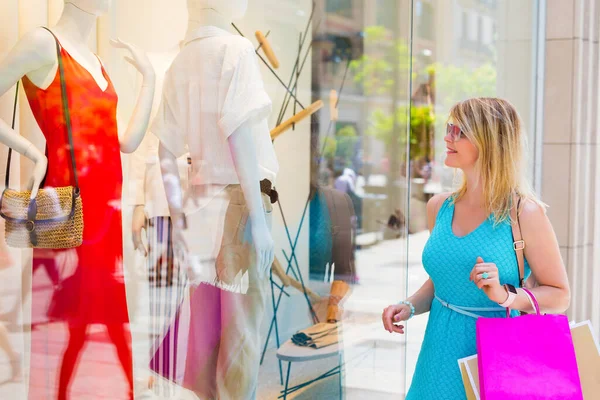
(385, 13)
(424, 21)
(358, 94)
(340, 7)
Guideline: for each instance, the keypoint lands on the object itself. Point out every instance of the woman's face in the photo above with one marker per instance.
(460, 152)
(96, 7)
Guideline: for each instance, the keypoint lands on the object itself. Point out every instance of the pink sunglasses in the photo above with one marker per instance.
(455, 132)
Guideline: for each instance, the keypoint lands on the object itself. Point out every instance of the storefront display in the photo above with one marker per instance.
(283, 156)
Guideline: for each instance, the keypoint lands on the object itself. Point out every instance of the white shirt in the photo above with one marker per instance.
(212, 88)
(145, 179)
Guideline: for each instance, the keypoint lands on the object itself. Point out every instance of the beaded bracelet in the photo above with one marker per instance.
(412, 308)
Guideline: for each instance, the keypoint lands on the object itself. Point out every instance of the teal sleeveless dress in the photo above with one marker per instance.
(450, 333)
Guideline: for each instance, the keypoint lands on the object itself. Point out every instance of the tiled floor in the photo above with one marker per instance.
(387, 360)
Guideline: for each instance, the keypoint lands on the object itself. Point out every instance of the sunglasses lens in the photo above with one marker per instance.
(453, 131)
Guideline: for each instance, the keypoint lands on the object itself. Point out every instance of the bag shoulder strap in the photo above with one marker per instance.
(66, 113)
(518, 242)
(8, 158)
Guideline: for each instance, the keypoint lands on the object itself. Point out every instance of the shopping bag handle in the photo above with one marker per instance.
(533, 300)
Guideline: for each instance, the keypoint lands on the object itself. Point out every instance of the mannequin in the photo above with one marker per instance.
(95, 293)
(220, 14)
(166, 282)
(35, 56)
(228, 138)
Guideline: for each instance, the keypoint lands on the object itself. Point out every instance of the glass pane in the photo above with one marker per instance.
(348, 222)
(461, 49)
(362, 154)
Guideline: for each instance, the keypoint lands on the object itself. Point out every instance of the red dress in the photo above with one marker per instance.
(96, 289)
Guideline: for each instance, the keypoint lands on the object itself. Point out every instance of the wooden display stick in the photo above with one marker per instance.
(278, 270)
(266, 47)
(333, 98)
(337, 296)
(307, 112)
(289, 281)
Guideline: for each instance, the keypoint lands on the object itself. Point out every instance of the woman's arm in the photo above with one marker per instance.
(423, 297)
(543, 255)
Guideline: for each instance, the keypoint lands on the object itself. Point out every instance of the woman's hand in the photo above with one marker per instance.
(394, 314)
(138, 59)
(491, 285)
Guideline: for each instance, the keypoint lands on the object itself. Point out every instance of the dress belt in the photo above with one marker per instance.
(468, 310)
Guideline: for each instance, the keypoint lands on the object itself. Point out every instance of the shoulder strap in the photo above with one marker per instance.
(7, 177)
(65, 104)
(8, 159)
(518, 242)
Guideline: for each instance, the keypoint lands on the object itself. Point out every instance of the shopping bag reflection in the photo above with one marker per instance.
(587, 351)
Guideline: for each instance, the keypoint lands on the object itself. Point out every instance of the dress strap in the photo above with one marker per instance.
(442, 211)
(469, 311)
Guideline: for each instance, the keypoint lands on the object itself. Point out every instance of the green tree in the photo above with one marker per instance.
(375, 73)
(421, 119)
(342, 146)
(453, 83)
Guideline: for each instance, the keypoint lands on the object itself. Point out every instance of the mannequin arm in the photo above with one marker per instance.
(138, 167)
(172, 184)
(246, 165)
(138, 124)
(34, 51)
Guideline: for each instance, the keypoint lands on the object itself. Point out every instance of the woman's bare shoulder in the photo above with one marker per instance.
(433, 206)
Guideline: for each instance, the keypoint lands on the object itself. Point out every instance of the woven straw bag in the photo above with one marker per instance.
(54, 218)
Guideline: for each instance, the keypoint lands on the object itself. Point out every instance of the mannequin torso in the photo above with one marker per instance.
(215, 105)
(34, 56)
(209, 18)
(73, 36)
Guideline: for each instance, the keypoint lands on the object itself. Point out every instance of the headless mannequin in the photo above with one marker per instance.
(222, 355)
(220, 13)
(161, 62)
(35, 56)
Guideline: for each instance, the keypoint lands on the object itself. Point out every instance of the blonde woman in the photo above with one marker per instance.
(469, 256)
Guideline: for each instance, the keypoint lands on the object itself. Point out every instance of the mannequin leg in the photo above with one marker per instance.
(203, 341)
(15, 360)
(67, 366)
(119, 335)
(49, 264)
(241, 318)
(239, 353)
(11, 316)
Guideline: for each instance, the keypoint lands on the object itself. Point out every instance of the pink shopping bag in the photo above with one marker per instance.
(529, 357)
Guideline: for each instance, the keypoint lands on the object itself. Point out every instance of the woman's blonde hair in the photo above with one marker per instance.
(494, 126)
